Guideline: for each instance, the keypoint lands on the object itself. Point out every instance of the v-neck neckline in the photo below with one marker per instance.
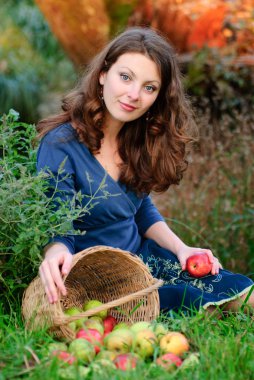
(122, 186)
(102, 167)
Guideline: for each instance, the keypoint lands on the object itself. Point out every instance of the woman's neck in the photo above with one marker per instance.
(111, 129)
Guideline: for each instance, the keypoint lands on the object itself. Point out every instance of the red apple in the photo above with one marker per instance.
(169, 361)
(91, 335)
(109, 323)
(198, 265)
(126, 361)
(64, 356)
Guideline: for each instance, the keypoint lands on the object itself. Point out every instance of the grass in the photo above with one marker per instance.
(225, 346)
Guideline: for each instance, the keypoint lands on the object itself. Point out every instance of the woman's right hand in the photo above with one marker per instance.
(56, 264)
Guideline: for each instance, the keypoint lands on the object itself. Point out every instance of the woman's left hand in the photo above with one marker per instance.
(186, 252)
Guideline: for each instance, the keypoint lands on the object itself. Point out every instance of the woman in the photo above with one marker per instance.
(129, 118)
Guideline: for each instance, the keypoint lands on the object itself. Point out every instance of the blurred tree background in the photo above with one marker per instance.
(45, 44)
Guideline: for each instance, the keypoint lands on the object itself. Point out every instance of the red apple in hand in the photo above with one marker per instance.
(109, 323)
(198, 265)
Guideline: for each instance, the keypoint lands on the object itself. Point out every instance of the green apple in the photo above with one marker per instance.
(73, 372)
(160, 329)
(94, 324)
(82, 350)
(119, 341)
(139, 326)
(120, 325)
(100, 365)
(144, 343)
(191, 361)
(95, 303)
(57, 346)
(72, 311)
(107, 355)
(96, 318)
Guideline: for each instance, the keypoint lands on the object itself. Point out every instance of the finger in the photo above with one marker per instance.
(210, 255)
(43, 280)
(48, 282)
(66, 267)
(216, 266)
(57, 278)
(182, 261)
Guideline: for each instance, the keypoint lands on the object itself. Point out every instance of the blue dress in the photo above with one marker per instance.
(119, 218)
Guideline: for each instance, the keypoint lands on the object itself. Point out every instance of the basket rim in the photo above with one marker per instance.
(58, 321)
(95, 249)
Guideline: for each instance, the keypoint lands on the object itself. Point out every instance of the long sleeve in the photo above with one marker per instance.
(51, 155)
(147, 215)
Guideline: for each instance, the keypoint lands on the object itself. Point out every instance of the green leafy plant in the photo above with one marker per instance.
(28, 218)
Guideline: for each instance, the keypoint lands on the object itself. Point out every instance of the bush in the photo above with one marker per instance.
(221, 89)
(27, 216)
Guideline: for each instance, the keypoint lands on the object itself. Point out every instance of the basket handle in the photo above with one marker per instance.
(63, 321)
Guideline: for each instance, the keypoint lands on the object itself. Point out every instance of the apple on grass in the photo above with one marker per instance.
(174, 342)
(91, 304)
(139, 326)
(106, 355)
(198, 265)
(91, 335)
(191, 361)
(169, 361)
(160, 329)
(64, 356)
(57, 346)
(109, 323)
(100, 365)
(82, 350)
(126, 361)
(144, 343)
(119, 341)
(73, 372)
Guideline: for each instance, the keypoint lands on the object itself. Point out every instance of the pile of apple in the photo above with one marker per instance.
(102, 339)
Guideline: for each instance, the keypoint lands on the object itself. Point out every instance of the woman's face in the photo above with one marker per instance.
(130, 87)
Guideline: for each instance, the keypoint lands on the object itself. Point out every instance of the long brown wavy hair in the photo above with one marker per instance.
(153, 151)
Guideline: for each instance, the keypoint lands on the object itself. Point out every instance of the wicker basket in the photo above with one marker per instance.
(113, 276)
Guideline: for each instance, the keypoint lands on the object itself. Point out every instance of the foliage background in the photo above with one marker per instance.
(213, 206)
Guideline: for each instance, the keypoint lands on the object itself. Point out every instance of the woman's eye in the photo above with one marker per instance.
(149, 88)
(125, 77)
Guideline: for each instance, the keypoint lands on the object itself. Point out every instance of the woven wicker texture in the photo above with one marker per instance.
(117, 278)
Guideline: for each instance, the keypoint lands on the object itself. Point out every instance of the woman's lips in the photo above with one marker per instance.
(127, 107)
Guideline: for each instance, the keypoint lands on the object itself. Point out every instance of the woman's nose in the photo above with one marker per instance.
(134, 92)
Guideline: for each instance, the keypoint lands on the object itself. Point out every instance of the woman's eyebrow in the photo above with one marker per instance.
(134, 75)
